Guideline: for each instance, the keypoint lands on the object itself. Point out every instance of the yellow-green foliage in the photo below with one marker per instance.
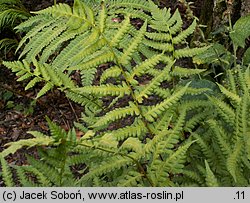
(125, 52)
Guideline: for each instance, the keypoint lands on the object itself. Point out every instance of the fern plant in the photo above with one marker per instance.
(126, 54)
(129, 52)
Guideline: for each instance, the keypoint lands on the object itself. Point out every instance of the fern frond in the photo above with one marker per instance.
(102, 17)
(175, 162)
(154, 111)
(112, 72)
(6, 172)
(62, 60)
(108, 141)
(242, 116)
(80, 13)
(130, 180)
(193, 175)
(221, 136)
(165, 47)
(37, 23)
(116, 114)
(23, 179)
(114, 163)
(11, 12)
(140, 4)
(234, 97)
(185, 72)
(7, 44)
(107, 89)
(188, 52)
(184, 34)
(47, 87)
(206, 149)
(231, 81)
(102, 58)
(145, 65)
(211, 180)
(233, 158)
(83, 100)
(53, 176)
(26, 182)
(175, 23)
(20, 68)
(14, 146)
(126, 56)
(87, 51)
(42, 39)
(146, 90)
(133, 144)
(158, 36)
(137, 129)
(32, 83)
(56, 132)
(225, 110)
(121, 32)
(195, 120)
(87, 76)
(55, 45)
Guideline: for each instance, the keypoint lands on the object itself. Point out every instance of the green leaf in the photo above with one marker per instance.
(38, 141)
(155, 111)
(6, 172)
(211, 180)
(246, 57)
(241, 31)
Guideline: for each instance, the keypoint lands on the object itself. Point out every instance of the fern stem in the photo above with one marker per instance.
(229, 8)
(151, 134)
(22, 94)
(62, 169)
(55, 2)
(73, 110)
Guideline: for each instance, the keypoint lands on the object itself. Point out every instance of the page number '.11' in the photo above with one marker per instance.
(240, 195)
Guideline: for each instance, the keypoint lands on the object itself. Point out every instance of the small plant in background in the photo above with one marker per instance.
(12, 12)
(235, 51)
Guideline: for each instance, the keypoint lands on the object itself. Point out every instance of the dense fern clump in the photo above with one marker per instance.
(223, 140)
(223, 134)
